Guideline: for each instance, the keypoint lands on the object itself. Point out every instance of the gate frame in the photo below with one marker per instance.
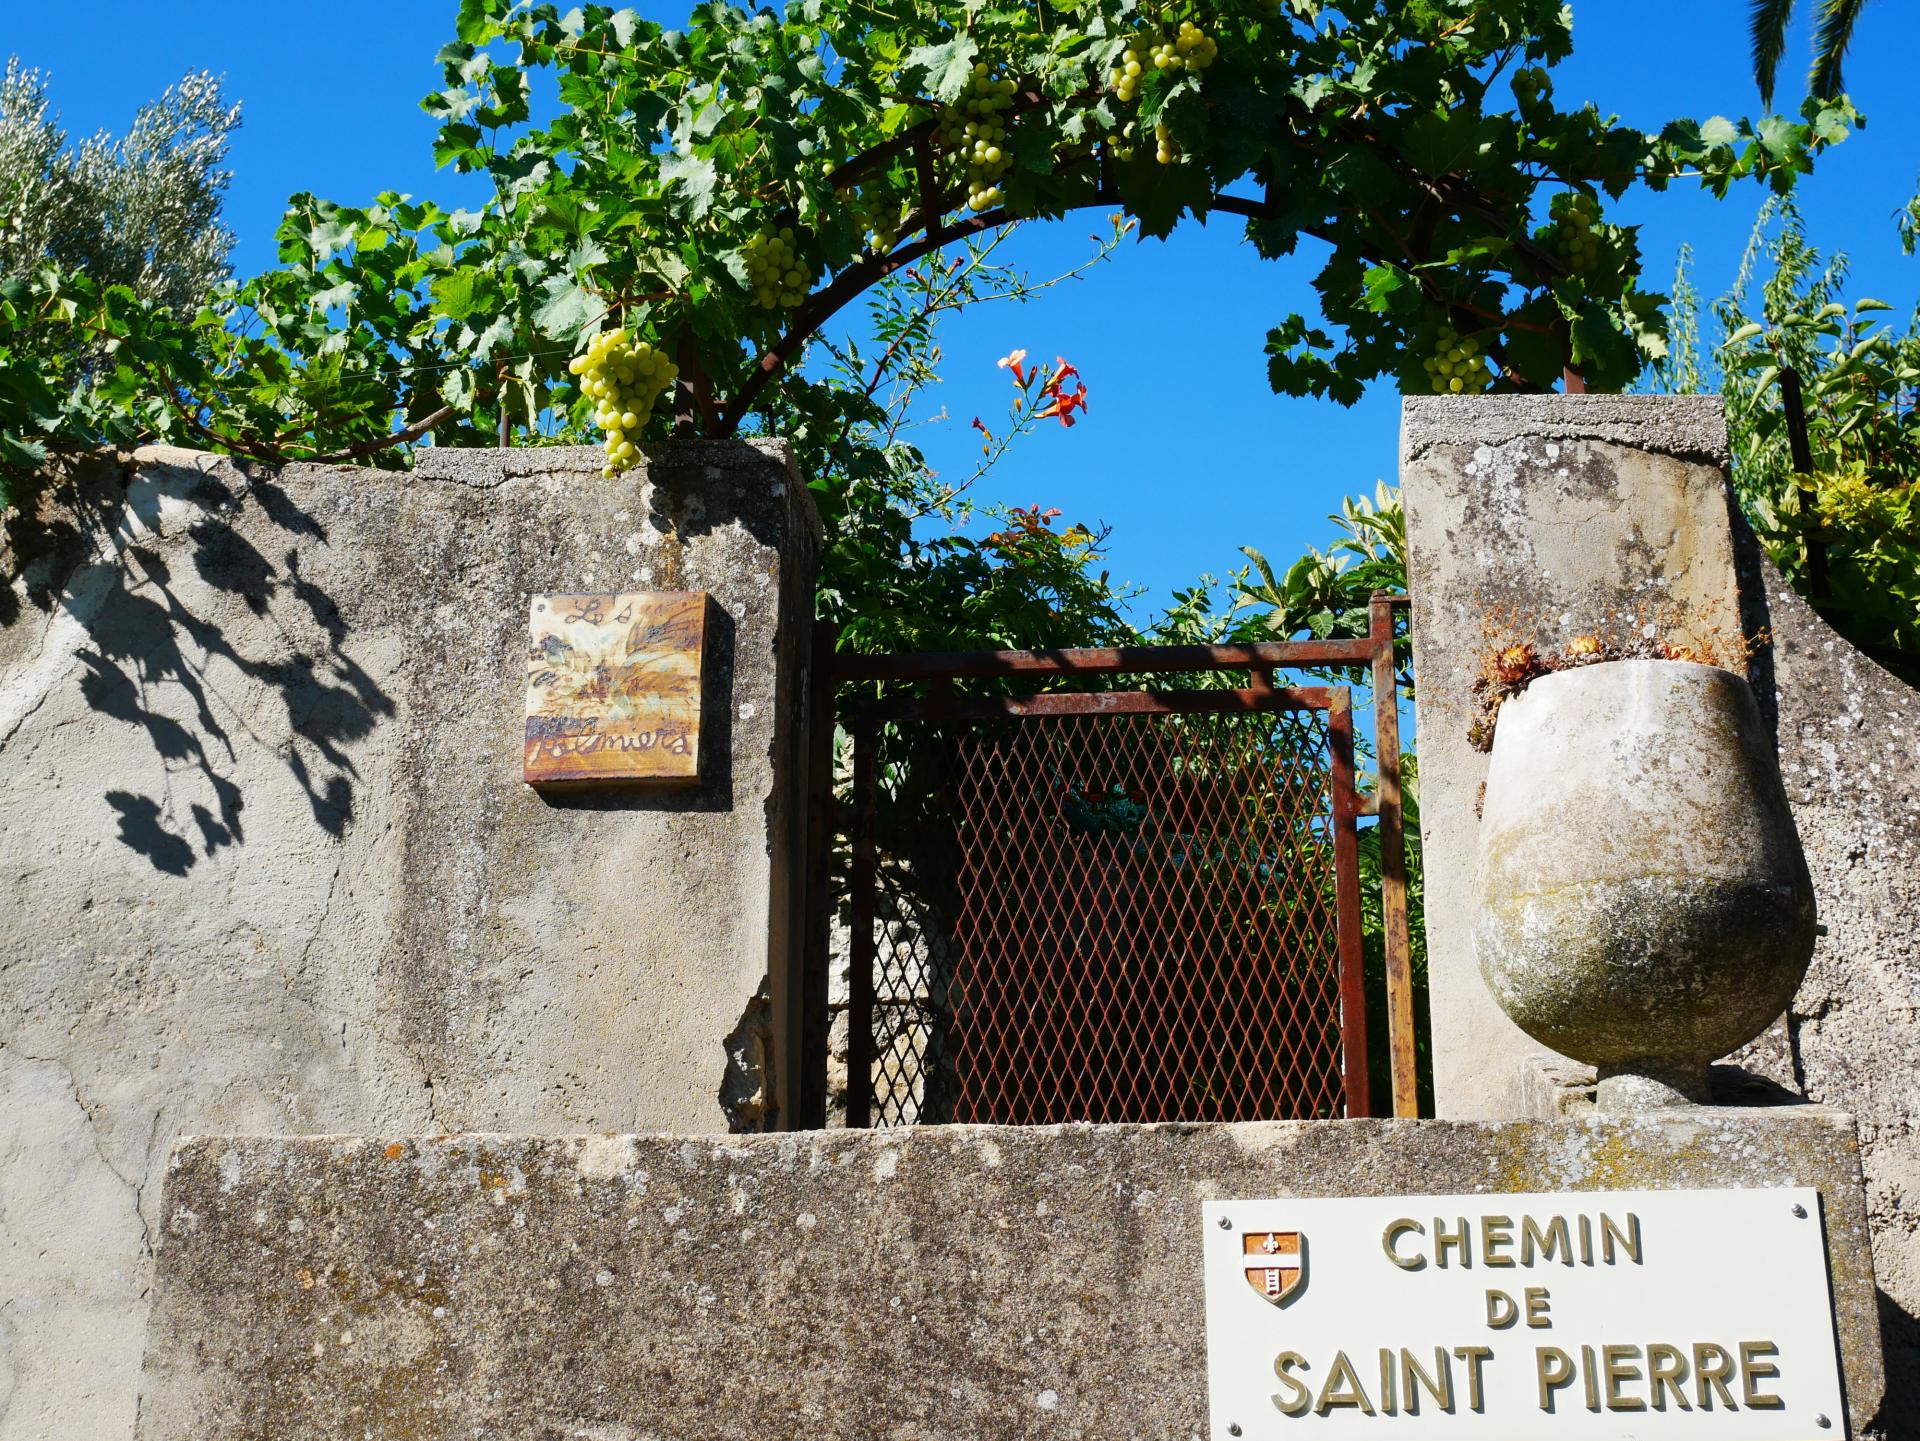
(938, 669)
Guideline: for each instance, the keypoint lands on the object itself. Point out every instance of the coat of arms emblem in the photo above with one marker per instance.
(1275, 1263)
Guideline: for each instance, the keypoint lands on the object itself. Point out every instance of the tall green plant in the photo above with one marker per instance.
(1857, 509)
(140, 209)
(94, 237)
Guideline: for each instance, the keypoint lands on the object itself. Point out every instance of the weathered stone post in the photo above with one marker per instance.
(1537, 513)
(1558, 508)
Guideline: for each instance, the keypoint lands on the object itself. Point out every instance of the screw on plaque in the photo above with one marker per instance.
(1227, 1225)
(1821, 1421)
(1233, 1428)
(1799, 1210)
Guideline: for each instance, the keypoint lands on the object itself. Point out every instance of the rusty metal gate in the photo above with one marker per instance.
(1106, 904)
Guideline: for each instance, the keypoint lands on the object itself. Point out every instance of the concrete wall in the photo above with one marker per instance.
(925, 1284)
(1602, 502)
(1850, 754)
(267, 864)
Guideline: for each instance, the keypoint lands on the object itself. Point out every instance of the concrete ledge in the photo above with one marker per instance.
(490, 468)
(976, 1282)
(1692, 427)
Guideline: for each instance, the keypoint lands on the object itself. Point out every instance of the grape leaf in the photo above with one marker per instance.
(697, 178)
(1718, 131)
(566, 309)
(947, 67)
(1389, 288)
(453, 293)
(499, 333)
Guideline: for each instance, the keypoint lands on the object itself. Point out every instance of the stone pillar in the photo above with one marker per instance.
(268, 864)
(1537, 517)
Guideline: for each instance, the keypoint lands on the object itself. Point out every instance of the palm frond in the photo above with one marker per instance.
(1830, 42)
(1767, 24)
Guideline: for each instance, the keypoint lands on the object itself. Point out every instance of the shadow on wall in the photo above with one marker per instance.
(106, 564)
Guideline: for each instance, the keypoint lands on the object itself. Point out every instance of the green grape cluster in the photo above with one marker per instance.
(1191, 48)
(774, 270)
(1131, 68)
(1574, 216)
(1532, 85)
(1456, 365)
(881, 217)
(975, 127)
(1168, 151)
(624, 378)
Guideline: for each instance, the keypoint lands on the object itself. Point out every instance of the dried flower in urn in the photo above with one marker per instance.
(1508, 666)
(1516, 664)
(1584, 647)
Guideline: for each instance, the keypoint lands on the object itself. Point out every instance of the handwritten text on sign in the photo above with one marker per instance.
(1616, 1314)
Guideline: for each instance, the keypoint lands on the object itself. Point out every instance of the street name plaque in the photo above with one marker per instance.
(1615, 1314)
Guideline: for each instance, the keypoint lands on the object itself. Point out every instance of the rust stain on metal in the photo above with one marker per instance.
(1346, 872)
(1393, 859)
(1113, 660)
(613, 689)
(945, 705)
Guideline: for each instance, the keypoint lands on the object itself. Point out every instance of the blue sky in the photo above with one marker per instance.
(1185, 452)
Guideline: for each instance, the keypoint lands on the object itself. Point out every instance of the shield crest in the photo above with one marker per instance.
(1275, 1263)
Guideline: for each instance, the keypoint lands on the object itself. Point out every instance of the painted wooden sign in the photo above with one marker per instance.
(613, 689)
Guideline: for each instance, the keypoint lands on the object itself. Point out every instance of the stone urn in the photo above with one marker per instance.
(1644, 902)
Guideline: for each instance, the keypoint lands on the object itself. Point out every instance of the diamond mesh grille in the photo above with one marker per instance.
(1124, 918)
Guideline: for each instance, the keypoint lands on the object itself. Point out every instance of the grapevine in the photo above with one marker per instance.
(1456, 365)
(973, 127)
(774, 270)
(624, 378)
(674, 158)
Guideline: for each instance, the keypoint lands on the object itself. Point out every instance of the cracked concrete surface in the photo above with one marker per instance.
(269, 867)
